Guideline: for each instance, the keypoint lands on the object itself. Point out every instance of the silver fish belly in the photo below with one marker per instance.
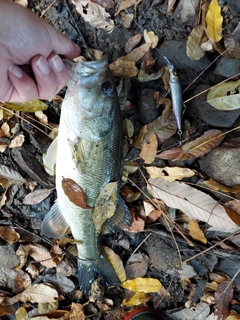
(90, 153)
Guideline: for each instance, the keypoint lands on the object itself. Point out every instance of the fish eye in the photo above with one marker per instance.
(106, 86)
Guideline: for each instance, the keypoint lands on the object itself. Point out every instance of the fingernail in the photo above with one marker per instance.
(17, 72)
(56, 63)
(43, 65)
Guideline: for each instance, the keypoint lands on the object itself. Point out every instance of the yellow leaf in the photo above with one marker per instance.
(214, 21)
(150, 37)
(47, 307)
(21, 314)
(29, 106)
(137, 299)
(149, 150)
(116, 263)
(195, 231)
(105, 205)
(142, 285)
(170, 173)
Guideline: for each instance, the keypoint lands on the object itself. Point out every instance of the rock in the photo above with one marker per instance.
(222, 164)
(175, 51)
(147, 106)
(227, 67)
(210, 115)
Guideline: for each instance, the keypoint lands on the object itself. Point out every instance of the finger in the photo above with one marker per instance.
(50, 75)
(62, 45)
(22, 87)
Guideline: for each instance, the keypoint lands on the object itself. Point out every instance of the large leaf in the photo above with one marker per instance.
(214, 21)
(194, 51)
(194, 203)
(225, 96)
(94, 14)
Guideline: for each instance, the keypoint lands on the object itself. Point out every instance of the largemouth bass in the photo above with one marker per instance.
(90, 153)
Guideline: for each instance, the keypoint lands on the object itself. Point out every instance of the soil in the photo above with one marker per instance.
(161, 250)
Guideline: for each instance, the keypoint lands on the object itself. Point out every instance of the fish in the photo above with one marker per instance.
(90, 153)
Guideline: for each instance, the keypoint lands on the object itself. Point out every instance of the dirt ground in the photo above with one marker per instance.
(156, 249)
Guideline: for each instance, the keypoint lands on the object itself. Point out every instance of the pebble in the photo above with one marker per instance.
(227, 67)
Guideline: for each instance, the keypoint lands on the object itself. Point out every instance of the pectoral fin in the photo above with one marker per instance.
(54, 225)
(49, 158)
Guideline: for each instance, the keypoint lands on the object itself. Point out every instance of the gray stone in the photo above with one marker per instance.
(227, 67)
(223, 165)
(175, 51)
(210, 115)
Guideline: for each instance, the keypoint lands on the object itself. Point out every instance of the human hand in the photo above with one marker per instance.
(25, 39)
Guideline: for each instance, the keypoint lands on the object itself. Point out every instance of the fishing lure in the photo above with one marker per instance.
(176, 94)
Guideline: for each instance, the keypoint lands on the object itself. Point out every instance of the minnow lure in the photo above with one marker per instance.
(176, 94)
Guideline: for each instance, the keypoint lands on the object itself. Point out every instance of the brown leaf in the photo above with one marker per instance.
(124, 67)
(133, 42)
(106, 4)
(37, 196)
(233, 210)
(137, 224)
(74, 193)
(36, 293)
(196, 148)
(40, 254)
(223, 296)
(137, 53)
(9, 234)
(76, 312)
(215, 185)
(195, 231)
(22, 282)
(136, 266)
(149, 150)
(6, 310)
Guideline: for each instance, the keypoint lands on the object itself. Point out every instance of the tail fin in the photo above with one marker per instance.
(88, 271)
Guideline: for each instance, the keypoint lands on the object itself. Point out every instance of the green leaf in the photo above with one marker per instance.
(29, 106)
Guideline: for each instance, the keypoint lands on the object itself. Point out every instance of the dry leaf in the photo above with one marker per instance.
(139, 139)
(170, 173)
(163, 128)
(137, 299)
(75, 193)
(125, 4)
(136, 266)
(170, 8)
(4, 310)
(195, 148)
(195, 231)
(11, 175)
(215, 185)
(94, 14)
(233, 315)
(107, 4)
(150, 37)
(105, 205)
(137, 53)
(40, 254)
(225, 96)
(116, 263)
(35, 294)
(137, 224)
(124, 67)
(37, 196)
(194, 203)
(41, 117)
(214, 21)
(194, 51)
(223, 296)
(9, 234)
(29, 106)
(17, 141)
(128, 128)
(23, 3)
(146, 285)
(133, 42)
(127, 19)
(149, 150)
